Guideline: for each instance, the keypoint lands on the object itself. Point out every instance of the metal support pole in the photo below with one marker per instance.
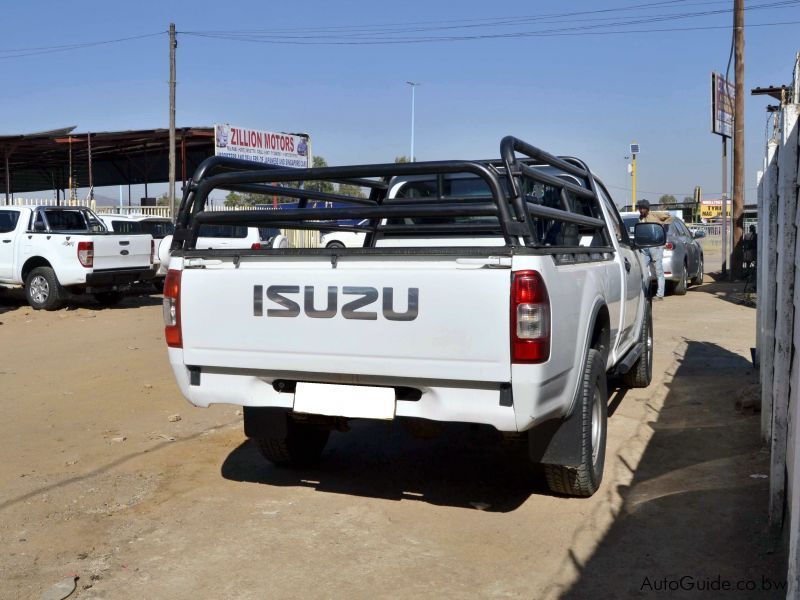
(413, 103)
(183, 159)
(724, 205)
(173, 44)
(633, 182)
(8, 178)
(91, 179)
(737, 228)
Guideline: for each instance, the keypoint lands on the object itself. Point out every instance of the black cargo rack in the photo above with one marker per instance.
(507, 180)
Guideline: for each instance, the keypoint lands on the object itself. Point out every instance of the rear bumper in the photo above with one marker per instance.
(117, 277)
(470, 402)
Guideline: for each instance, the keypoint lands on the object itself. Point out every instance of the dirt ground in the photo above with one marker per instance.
(99, 479)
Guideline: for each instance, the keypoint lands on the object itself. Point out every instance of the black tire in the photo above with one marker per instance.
(109, 298)
(302, 446)
(158, 284)
(335, 245)
(698, 278)
(641, 373)
(42, 289)
(584, 480)
(679, 287)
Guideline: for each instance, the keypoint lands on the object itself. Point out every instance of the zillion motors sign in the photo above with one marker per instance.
(281, 149)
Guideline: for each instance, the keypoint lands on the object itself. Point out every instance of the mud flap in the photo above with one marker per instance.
(557, 441)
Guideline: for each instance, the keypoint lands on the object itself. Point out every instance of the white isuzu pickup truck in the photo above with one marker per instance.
(54, 249)
(494, 292)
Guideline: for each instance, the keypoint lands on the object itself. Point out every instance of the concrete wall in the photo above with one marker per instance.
(779, 331)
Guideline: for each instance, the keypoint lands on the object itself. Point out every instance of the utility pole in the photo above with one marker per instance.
(172, 45)
(738, 142)
(413, 89)
(633, 182)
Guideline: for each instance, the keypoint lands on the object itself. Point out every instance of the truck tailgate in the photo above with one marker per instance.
(357, 317)
(121, 251)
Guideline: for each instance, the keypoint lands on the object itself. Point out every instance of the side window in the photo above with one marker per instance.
(8, 220)
(619, 227)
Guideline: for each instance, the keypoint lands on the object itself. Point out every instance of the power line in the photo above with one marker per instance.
(388, 37)
(21, 52)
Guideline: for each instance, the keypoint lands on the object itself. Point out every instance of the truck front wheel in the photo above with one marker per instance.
(301, 445)
(584, 479)
(43, 290)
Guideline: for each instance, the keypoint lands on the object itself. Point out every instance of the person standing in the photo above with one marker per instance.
(654, 255)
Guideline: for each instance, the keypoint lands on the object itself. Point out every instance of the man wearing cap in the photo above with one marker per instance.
(654, 255)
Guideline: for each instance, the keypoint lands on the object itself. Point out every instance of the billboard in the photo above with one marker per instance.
(274, 148)
(722, 97)
(711, 209)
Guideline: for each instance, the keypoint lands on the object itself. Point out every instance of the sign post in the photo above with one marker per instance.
(723, 95)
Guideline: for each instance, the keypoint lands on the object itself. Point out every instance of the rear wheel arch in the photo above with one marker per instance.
(601, 331)
(32, 263)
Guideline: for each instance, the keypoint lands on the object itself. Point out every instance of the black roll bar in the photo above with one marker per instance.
(516, 214)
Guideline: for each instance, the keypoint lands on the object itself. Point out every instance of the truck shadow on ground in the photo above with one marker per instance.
(697, 504)
(14, 299)
(464, 466)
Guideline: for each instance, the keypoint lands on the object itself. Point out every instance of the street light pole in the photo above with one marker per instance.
(413, 90)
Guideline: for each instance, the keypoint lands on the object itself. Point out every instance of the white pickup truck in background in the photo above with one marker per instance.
(497, 292)
(51, 250)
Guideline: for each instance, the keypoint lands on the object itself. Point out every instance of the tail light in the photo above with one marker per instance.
(669, 246)
(530, 318)
(86, 253)
(256, 246)
(152, 251)
(172, 309)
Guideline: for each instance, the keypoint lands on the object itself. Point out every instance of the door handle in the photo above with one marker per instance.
(6, 241)
(627, 265)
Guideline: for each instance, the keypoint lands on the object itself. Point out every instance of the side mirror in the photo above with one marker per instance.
(649, 235)
(699, 234)
(39, 226)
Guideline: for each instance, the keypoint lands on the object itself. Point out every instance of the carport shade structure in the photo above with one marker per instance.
(41, 161)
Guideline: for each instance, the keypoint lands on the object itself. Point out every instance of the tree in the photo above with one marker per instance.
(234, 199)
(348, 189)
(401, 159)
(319, 186)
(688, 200)
(163, 200)
(667, 199)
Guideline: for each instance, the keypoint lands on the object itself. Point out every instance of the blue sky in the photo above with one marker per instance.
(583, 95)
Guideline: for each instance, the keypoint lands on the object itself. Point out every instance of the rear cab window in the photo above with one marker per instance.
(550, 232)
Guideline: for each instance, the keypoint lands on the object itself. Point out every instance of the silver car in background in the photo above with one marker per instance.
(683, 255)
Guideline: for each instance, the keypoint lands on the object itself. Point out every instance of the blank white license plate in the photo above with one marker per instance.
(356, 401)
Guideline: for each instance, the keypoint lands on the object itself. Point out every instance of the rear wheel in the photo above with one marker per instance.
(641, 374)
(42, 289)
(109, 298)
(698, 279)
(335, 245)
(584, 479)
(301, 446)
(679, 288)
